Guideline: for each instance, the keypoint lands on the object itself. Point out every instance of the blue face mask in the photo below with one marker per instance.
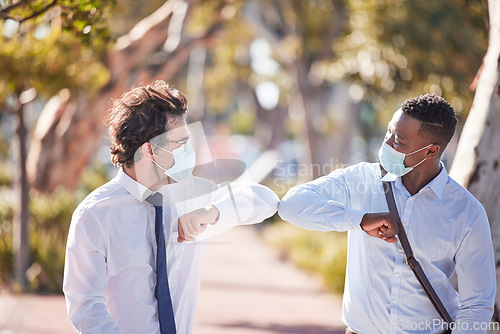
(184, 162)
(393, 161)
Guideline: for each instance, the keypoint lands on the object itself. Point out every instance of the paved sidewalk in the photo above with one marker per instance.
(33, 314)
(245, 289)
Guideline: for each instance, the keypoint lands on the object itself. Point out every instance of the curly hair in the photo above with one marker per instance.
(437, 117)
(140, 115)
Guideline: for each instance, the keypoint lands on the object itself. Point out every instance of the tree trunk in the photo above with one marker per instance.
(70, 128)
(322, 143)
(476, 163)
(20, 228)
(330, 117)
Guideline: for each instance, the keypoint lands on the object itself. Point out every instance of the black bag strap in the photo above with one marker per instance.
(410, 259)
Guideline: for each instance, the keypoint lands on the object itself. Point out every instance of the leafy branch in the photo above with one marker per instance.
(4, 13)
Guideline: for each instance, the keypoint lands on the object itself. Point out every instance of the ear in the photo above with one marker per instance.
(148, 150)
(433, 151)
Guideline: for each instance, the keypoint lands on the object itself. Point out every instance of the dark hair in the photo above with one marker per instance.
(437, 117)
(140, 115)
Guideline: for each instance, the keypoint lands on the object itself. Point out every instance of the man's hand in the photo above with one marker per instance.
(195, 222)
(380, 225)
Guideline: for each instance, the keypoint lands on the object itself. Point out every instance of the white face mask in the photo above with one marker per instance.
(184, 162)
(393, 161)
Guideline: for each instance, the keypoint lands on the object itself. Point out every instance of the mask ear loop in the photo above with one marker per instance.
(423, 148)
(164, 149)
(161, 148)
(152, 160)
(163, 169)
(419, 163)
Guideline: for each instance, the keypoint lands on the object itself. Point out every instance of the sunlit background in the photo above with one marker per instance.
(311, 83)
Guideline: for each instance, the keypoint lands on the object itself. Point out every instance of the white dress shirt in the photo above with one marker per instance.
(446, 227)
(109, 274)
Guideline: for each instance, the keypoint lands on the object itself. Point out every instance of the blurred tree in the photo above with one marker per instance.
(301, 34)
(399, 48)
(70, 128)
(57, 42)
(316, 46)
(478, 155)
(396, 49)
(331, 55)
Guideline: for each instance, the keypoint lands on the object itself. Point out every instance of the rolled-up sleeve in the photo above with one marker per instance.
(85, 275)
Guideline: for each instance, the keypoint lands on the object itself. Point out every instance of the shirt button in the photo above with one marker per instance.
(393, 326)
(397, 274)
(400, 250)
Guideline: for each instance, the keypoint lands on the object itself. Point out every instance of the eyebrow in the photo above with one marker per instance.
(397, 134)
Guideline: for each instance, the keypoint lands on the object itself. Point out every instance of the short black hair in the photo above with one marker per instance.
(438, 118)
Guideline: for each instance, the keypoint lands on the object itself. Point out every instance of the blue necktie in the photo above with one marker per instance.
(162, 291)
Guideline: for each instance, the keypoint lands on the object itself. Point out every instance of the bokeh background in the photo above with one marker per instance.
(293, 88)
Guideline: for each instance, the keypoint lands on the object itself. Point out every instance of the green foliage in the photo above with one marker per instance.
(320, 253)
(4, 146)
(389, 50)
(314, 18)
(48, 65)
(85, 19)
(128, 13)
(55, 45)
(5, 166)
(50, 217)
(228, 67)
(48, 228)
(399, 48)
(242, 121)
(94, 176)
(6, 250)
(49, 222)
(5, 174)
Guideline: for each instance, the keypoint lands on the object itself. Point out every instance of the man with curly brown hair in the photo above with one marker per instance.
(446, 226)
(133, 263)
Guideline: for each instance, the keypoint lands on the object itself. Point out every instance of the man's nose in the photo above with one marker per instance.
(389, 140)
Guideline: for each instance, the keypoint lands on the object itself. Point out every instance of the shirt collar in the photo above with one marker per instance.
(437, 184)
(136, 189)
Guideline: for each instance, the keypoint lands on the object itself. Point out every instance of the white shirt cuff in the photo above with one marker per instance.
(352, 218)
(227, 212)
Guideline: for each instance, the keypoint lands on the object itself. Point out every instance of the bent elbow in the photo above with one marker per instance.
(269, 201)
(287, 209)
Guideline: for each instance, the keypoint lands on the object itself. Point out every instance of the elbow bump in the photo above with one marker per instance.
(285, 210)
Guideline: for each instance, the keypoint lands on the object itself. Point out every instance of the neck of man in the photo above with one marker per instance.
(419, 177)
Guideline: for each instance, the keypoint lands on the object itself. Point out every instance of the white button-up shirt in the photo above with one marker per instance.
(446, 227)
(109, 274)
